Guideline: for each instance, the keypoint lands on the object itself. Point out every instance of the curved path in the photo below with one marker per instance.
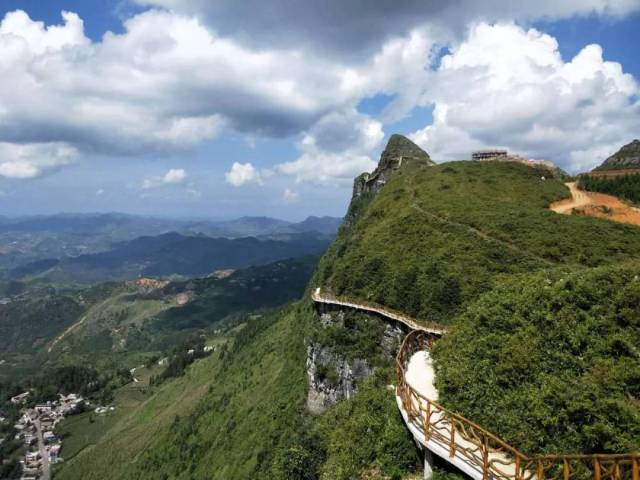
(473, 230)
(412, 323)
(595, 204)
(578, 199)
(459, 441)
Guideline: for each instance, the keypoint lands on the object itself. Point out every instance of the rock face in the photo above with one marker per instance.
(399, 150)
(627, 157)
(331, 377)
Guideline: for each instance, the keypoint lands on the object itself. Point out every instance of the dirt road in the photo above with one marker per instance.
(596, 205)
(46, 465)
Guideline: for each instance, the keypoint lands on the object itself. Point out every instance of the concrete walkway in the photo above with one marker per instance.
(321, 297)
(468, 455)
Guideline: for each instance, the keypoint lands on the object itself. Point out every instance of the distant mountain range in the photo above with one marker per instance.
(171, 254)
(97, 247)
(126, 227)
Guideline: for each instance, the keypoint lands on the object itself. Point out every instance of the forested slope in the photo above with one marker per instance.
(435, 237)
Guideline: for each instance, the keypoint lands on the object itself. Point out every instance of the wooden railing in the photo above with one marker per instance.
(323, 296)
(489, 454)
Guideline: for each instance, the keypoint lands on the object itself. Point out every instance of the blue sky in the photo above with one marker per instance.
(190, 109)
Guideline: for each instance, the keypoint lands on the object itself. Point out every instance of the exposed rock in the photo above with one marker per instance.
(332, 377)
(627, 157)
(392, 339)
(399, 150)
(328, 319)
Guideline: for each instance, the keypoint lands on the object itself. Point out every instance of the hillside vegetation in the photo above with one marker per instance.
(435, 238)
(623, 186)
(113, 324)
(246, 419)
(557, 353)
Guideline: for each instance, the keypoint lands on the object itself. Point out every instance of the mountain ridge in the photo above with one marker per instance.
(628, 157)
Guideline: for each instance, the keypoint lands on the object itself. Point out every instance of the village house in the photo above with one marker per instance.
(20, 399)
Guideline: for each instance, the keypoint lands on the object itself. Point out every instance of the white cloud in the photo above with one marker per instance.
(290, 196)
(99, 192)
(336, 149)
(32, 160)
(167, 82)
(243, 174)
(507, 86)
(172, 81)
(173, 177)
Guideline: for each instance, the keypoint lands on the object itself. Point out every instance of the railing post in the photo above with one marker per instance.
(565, 469)
(540, 472)
(427, 422)
(596, 468)
(518, 467)
(485, 458)
(452, 445)
(635, 470)
(617, 474)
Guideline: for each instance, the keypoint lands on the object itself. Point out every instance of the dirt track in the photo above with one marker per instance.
(596, 205)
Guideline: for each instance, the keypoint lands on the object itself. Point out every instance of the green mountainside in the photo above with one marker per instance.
(438, 236)
(556, 351)
(304, 393)
(113, 323)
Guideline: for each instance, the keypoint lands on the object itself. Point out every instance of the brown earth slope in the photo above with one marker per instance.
(596, 205)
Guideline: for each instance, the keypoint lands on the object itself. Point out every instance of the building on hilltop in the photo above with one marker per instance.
(489, 154)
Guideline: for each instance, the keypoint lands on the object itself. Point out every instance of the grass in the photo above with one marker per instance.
(133, 428)
(435, 238)
(263, 373)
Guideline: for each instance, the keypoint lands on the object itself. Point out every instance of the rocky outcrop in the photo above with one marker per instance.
(625, 158)
(332, 377)
(399, 150)
(392, 339)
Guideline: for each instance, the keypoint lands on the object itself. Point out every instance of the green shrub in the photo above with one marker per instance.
(550, 362)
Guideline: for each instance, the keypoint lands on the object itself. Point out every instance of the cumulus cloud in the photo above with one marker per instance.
(290, 196)
(174, 79)
(173, 177)
(358, 28)
(243, 174)
(32, 160)
(336, 149)
(507, 86)
(166, 82)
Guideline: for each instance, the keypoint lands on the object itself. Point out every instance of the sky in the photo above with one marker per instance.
(201, 109)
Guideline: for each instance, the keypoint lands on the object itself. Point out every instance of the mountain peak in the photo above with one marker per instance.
(400, 146)
(627, 157)
(398, 152)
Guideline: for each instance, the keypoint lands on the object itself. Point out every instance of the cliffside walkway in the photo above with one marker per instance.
(461, 442)
(323, 297)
